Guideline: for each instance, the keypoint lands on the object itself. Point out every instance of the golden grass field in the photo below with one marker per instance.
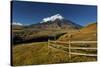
(40, 53)
(37, 53)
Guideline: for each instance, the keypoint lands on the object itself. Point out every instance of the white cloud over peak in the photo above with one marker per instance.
(52, 18)
(16, 23)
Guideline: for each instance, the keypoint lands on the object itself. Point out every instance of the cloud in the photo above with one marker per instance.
(16, 23)
(52, 18)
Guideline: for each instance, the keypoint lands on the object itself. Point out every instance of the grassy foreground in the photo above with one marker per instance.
(40, 53)
(37, 53)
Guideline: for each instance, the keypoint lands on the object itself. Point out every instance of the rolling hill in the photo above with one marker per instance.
(88, 32)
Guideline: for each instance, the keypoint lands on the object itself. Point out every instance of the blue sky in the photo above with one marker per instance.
(33, 12)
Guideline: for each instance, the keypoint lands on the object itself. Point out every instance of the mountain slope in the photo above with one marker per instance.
(90, 27)
(87, 33)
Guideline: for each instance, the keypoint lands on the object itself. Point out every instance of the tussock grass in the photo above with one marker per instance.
(41, 53)
(37, 53)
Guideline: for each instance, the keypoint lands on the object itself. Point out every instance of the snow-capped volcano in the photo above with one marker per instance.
(52, 18)
(56, 22)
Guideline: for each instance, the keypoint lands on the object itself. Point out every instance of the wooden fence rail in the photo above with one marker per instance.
(70, 48)
(83, 54)
(73, 42)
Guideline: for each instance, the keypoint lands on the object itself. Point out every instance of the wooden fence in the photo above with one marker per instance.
(55, 43)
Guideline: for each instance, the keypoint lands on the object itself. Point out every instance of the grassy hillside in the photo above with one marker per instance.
(41, 53)
(37, 53)
(90, 27)
(87, 33)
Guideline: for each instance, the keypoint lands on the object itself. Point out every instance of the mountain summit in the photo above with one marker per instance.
(52, 18)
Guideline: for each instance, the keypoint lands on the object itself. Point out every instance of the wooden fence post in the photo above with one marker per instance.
(48, 43)
(69, 51)
(69, 47)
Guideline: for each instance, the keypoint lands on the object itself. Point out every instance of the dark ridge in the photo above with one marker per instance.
(19, 40)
